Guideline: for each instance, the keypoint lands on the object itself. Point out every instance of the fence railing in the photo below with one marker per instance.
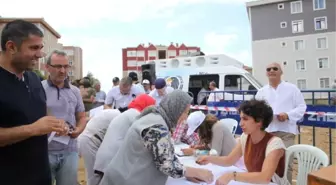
(320, 113)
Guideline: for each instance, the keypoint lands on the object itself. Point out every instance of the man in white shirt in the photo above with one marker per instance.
(161, 90)
(120, 96)
(135, 81)
(146, 85)
(288, 106)
(215, 97)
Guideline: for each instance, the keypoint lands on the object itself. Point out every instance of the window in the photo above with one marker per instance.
(298, 45)
(70, 73)
(319, 4)
(131, 53)
(131, 63)
(323, 63)
(172, 53)
(322, 43)
(70, 62)
(297, 26)
(183, 52)
(283, 24)
(192, 51)
(281, 6)
(302, 84)
(300, 65)
(296, 7)
(321, 23)
(236, 83)
(140, 54)
(324, 83)
(152, 53)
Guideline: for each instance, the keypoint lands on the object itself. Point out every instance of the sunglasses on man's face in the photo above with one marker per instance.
(270, 68)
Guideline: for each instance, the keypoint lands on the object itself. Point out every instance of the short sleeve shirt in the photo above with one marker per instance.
(114, 97)
(22, 102)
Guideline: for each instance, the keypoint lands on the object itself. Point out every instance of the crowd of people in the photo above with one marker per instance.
(44, 127)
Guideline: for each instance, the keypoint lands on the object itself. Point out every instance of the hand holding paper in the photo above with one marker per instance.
(48, 124)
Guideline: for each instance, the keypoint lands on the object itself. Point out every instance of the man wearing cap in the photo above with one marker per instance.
(161, 89)
(115, 81)
(146, 85)
(135, 81)
(185, 134)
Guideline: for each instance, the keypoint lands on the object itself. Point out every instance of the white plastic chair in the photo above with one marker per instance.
(309, 159)
(232, 124)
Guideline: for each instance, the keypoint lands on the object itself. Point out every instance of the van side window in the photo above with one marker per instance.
(237, 83)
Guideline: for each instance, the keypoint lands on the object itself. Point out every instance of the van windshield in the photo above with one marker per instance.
(253, 80)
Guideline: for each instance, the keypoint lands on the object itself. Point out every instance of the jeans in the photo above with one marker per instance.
(64, 167)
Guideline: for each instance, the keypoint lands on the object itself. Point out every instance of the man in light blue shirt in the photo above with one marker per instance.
(161, 90)
(100, 96)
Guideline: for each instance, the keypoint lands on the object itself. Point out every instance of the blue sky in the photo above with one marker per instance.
(102, 28)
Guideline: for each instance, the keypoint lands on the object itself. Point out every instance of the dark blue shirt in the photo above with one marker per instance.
(22, 102)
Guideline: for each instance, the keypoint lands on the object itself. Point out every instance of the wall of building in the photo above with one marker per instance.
(50, 43)
(76, 61)
(266, 19)
(273, 40)
(273, 50)
(134, 57)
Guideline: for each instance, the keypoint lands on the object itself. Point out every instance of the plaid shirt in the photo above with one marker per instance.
(180, 134)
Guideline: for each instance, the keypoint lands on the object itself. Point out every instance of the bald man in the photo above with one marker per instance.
(288, 106)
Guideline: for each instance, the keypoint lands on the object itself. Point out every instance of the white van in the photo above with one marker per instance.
(190, 74)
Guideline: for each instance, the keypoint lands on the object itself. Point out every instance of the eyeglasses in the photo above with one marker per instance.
(270, 68)
(60, 66)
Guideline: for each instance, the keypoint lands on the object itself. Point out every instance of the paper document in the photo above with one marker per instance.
(62, 139)
(51, 137)
(96, 110)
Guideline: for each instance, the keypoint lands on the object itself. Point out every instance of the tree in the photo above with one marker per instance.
(92, 79)
(39, 74)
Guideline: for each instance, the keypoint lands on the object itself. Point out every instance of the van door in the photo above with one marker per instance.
(236, 82)
(198, 83)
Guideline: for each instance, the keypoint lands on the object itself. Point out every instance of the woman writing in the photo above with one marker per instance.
(147, 154)
(214, 135)
(263, 153)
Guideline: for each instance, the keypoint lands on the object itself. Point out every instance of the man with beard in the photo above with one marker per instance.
(23, 122)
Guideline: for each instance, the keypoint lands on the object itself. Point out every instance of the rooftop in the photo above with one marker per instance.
(33, 20)
(263, 2)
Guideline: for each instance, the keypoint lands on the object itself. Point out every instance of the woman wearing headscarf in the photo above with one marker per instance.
(147, 154)
(116, 132)
(213, 134)
(91, 138)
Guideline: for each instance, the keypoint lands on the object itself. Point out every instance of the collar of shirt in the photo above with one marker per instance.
(66, 83)
(14, 75)
(280, 84)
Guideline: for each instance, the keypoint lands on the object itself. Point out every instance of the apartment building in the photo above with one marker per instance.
(50, 39)
(299, 34)
(75, 56)
(134, 57)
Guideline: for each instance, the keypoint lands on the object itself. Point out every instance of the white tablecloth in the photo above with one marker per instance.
(216, 170)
